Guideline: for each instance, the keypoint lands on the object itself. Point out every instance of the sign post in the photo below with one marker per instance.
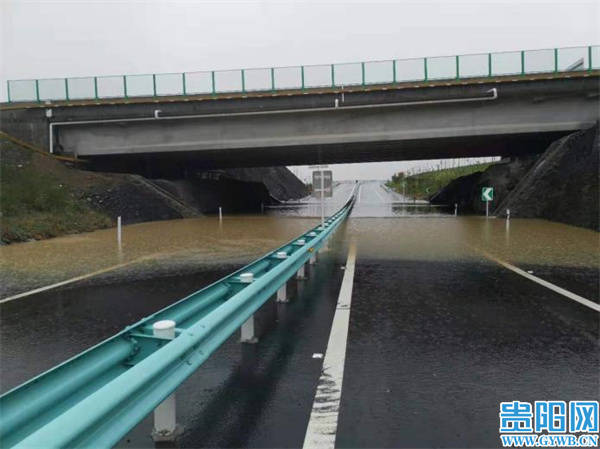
(487, 195)
(324, 179)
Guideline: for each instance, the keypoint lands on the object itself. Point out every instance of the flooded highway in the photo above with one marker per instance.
(440, 332)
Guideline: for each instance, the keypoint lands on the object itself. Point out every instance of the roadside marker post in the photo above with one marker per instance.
(119, 234)
(487, 195)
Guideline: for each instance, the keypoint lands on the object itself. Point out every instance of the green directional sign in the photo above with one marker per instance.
(487, 194)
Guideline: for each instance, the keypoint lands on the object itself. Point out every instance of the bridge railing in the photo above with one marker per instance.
(307, 77)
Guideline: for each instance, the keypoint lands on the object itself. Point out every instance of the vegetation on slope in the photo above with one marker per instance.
(39, 199)
(424, 185)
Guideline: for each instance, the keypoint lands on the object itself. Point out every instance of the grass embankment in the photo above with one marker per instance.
(424, 185)
(40, 197)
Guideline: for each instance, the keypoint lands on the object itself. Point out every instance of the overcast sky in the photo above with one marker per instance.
(41, 39)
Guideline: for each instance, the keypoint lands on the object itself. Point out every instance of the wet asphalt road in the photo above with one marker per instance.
(435, 343)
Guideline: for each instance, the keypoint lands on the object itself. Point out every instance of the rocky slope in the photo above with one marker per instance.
(466, 190)
(559, 185)
(42, 197)
(563, 183)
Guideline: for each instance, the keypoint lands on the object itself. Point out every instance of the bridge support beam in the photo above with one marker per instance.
(165, 424)
(248, 331)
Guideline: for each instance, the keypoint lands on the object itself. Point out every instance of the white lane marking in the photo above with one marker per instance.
(379, 194)
(322, 425)
(70, 281)
(566, 293)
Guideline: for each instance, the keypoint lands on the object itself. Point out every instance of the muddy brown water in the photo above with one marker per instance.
(160, 262)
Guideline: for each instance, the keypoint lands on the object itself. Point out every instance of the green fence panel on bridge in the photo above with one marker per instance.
(52, 89)
(111, 86)
(474, 66)
(22, 90)
(539, 61)
(410, 70)
(140, 85)
(257, 80)
(228, 81)
(441, 68)
(317, 76)
(379, 72)
(198, 82)
(506, 63)
(348, 74)
(169, 84)
(308, 77)
(81, 88)
(287, 78)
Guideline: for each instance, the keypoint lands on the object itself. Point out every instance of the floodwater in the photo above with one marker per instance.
(441, 314)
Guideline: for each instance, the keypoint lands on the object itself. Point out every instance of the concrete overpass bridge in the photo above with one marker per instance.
(447, 116)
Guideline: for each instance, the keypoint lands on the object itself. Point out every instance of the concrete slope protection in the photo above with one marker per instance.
(563, 183)
(98, 396)
(559, 185)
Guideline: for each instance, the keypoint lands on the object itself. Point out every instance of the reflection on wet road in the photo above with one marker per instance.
(439, 335)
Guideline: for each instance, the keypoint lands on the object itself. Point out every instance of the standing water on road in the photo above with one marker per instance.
(422, 281)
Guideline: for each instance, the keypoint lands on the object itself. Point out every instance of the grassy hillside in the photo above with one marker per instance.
(41, 197)
(426, 184)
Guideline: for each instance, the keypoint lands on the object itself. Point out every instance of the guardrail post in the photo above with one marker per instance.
(96, 87)
(282, 291)
(555, 60)
(183, 81)
(313, 257)
(154, 84)
(212, 77)
(522, 62)
(37, 90)
(125, 85)
(247, 329)
(8, 90)
(302, 75)
(301, 273)
(243, 81)
(394, 71)
(489, 64)
(67, 89)
(425, 69)
(590, 66)
(165, 424)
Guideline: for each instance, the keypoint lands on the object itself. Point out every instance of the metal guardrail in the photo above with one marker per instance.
(306, 77)
(96, 397)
